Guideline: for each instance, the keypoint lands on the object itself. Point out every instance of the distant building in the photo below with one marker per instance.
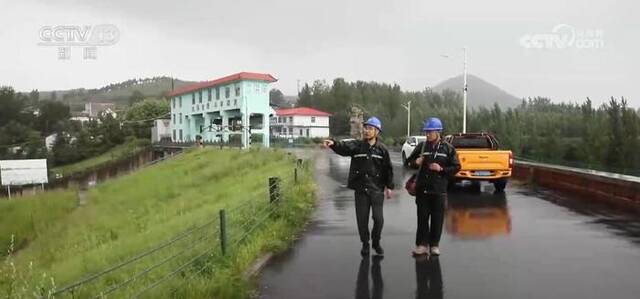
(161, 130)
(50, 140)
(222, 107)
(82, 119)
(94, 110)
(300, 122)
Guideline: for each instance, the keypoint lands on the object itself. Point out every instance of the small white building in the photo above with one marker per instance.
(161, 130)
(300, 122)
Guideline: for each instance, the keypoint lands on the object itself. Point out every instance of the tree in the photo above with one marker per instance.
(277, 98)
(10, 106)
(51, 116)
(136, 96)
(139, 118)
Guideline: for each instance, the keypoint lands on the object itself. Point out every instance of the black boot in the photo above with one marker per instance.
(377, 248)
(365, 249)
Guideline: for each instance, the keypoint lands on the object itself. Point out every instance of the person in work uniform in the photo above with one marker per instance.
(437, 163)
(370, 176)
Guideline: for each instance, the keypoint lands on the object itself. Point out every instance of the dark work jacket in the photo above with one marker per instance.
(370, 164)
(429, 181)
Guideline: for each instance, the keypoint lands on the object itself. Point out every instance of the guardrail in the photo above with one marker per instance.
(617, 189)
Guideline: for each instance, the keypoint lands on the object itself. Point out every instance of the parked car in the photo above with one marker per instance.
(409, 145)
(481, 159)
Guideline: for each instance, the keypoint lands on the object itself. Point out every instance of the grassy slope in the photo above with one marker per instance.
(132, 213)
(118, 152)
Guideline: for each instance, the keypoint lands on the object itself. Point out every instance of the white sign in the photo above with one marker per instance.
(23, 172)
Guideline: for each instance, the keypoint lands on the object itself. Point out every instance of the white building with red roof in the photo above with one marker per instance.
(300, 122)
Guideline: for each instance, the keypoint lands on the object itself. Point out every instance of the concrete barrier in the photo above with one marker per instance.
(590, 185)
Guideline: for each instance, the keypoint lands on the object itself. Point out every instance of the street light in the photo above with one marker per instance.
(464, 91)
(408, 107)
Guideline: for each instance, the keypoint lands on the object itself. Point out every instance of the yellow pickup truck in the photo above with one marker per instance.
(481, 159)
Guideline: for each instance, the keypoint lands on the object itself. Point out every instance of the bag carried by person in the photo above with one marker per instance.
(410, 185)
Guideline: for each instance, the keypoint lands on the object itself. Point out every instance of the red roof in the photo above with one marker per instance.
(223, 80)
(301, 111)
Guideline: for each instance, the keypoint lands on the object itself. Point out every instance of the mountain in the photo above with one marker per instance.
(479, 92)
(117, 93)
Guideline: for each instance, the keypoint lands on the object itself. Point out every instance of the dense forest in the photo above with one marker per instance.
(577, 134)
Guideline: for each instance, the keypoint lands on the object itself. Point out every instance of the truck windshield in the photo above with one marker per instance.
(471, 142)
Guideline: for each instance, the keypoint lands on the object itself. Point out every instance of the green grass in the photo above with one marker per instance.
(118, 152)
(24, 219)
(133, 213)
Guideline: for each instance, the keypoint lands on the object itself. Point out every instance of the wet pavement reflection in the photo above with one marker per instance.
(428, 278)
(520, 244)
(362, 282)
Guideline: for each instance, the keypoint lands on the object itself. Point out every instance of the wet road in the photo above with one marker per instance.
(522, 244)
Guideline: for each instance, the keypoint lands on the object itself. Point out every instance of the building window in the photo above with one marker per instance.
(291, 119)
(257, 85)
(217, 93)
(180, 102)
(227, 92)
(173, 117)
(237, 91)
(174, 134)
(313, 119)
(228, 103)
(180, 117)
(200, 96)
(180, 135)
(173, 102)
(207, 106)
(193, 99)
(209, 95)
(300, 132)
(215, 104)
(284, 130)
(235, 102)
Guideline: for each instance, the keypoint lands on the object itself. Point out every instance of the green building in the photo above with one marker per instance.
(215, 110)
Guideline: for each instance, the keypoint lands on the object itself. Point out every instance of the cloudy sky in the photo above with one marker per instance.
(512, 44)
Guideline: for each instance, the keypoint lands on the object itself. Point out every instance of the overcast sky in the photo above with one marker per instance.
(399, 41)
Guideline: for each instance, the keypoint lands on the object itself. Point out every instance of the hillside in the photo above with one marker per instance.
(480, 92)
(117, 93)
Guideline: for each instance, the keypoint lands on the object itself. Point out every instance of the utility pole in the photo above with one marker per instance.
(408, 107)
(464, 95)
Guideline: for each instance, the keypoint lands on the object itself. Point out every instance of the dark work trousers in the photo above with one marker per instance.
(367, 200)
(430, 218)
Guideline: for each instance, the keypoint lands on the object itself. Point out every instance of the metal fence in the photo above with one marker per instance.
(191, 252)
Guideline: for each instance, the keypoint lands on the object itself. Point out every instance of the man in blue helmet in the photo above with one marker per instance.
(370, 176)
(437, 162)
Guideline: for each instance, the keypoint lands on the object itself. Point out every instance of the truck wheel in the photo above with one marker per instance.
(500, 185)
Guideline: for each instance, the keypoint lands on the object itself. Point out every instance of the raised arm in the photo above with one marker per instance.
(346, 147)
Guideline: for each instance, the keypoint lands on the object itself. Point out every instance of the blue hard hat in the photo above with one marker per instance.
(374, 122)
(432, 124)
